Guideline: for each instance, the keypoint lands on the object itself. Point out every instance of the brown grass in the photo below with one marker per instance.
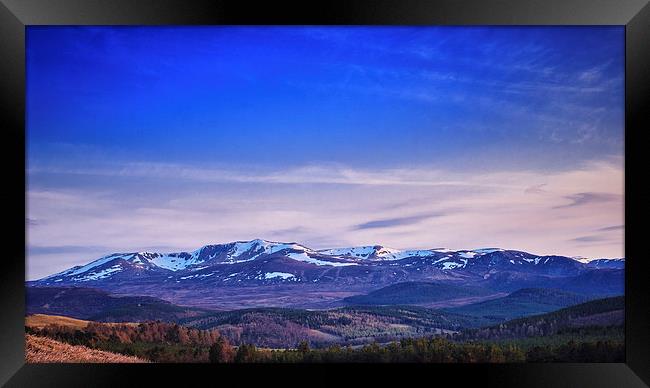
(45, 350)
(39, 321)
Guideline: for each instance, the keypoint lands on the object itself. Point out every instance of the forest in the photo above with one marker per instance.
(163, 342)
(154, 341)
(422, 350)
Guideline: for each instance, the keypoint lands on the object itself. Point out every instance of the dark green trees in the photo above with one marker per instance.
(220, 351)
(246, 353)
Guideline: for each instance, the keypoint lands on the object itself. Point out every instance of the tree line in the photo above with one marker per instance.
(168, 342)
(421, 350)
(153, 332)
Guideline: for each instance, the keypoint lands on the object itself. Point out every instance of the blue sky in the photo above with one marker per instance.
(170, 138)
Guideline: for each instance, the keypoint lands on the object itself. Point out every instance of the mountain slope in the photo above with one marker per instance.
(97, 305)
(293, 275)
(521, 303)
(606, 263)
(415, 293)
(39, 321)
(606, 312)
(45, 350)
(588, 281)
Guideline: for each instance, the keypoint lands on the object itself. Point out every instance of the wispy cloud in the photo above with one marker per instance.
(310, 174)
(535, 189)
(589, 239)
(399, 221)
(581, 199)
(612, 228)
(559, 106)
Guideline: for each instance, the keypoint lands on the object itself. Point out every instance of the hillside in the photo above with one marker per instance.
(589, 281)
(46, 350)
(524, 302)
(39, 321)
(603, 313)
(416, 293)
(97, 305)
(155, 341)
(281, 328)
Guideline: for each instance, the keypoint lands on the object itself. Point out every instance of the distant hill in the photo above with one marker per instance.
(521, 303)
(601, 282)
(607, 312)
(575, 315)
(594, 282)
(97, 305)
(415, 293)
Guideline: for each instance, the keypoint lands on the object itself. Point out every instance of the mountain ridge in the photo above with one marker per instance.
(260, 273)
(244, 251)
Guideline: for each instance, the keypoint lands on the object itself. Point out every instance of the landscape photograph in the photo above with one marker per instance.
(322, 194)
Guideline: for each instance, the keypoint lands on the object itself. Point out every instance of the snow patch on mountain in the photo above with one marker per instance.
(99, 275)
(357, 252)
(283, 275)
(91, 265)
(173, 262)
(258, 247)
(487, 250)
(442, 250)
(452, 265)
(302, 256)
(376, 252)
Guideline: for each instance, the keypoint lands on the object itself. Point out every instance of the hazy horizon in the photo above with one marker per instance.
(171, 138)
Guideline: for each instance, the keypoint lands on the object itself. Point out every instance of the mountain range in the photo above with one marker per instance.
(265, 273)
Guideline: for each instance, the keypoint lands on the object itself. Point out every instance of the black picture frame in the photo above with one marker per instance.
(15, 15)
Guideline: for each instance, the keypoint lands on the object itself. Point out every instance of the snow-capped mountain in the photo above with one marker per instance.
(258, 272)
(207, 256)
(267, 262)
